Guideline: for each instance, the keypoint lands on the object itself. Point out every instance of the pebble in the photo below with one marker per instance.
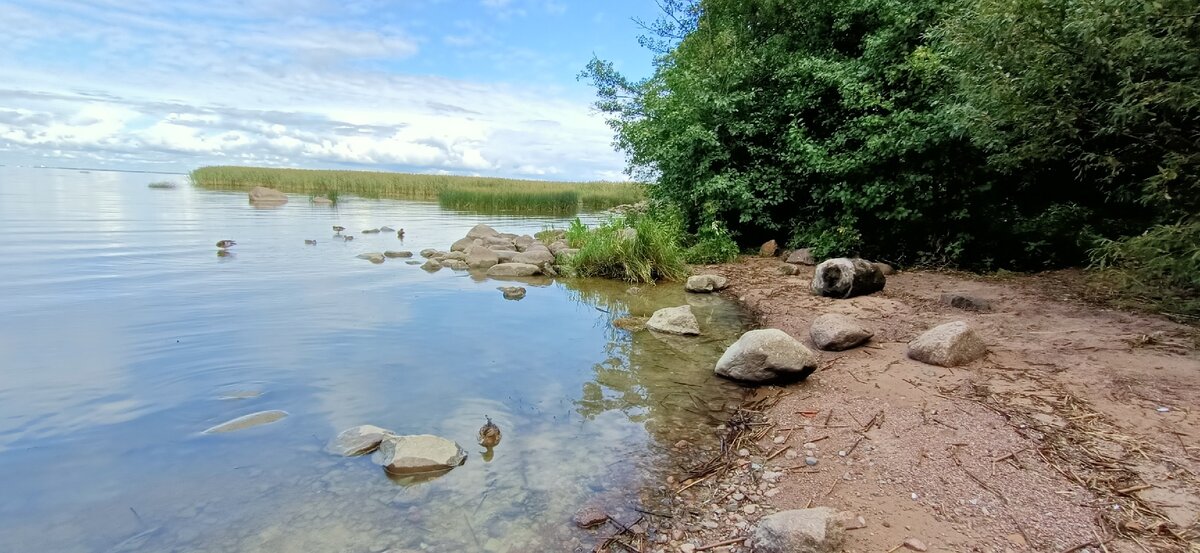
(809, 445)
(738, 496)
(779, 439)
(681, 444)
(915, 544)
(743, 452)
(810, 461)
(750, 509)
(842, 453)
(687, 548)
(791, 454)
(710, 524)
(771, 492)
(677, 534)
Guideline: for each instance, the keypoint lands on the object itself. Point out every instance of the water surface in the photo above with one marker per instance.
(123, 336)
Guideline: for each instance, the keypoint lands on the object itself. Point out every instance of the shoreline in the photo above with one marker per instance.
(1072, 434)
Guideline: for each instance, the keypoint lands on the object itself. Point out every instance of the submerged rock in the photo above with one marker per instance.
(432, 266)
(589, 517)
(248, 421)
(703, 284)
(512, 292)
(428, 252)
(455, 264)
(412, 262)
(513, 270)
(764, 355)
(948, 345)
(393, 253)
(370, 231)
(845, 277)
(674, 320)
(321, 200)
(357, 440)
(816, 530)
(373, 257)
(386, 229)
(834, 332)
(262, 194)
(419, 453)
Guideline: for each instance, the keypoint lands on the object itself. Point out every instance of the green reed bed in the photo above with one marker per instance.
(474, 193)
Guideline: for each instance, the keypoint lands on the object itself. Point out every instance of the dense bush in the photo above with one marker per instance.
(982, 133)
(634, 247)
(1160, 267)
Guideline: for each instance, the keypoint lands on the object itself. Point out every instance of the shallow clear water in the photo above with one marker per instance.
(121, 331)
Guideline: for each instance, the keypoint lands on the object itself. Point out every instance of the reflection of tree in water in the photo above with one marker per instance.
(664, 381)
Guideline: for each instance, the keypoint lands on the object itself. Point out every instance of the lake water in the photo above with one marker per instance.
(123, 336)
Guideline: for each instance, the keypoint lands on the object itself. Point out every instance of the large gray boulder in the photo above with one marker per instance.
(816, 530)
(479, 257)
(802, 256)
(462, 244)
(482, 231)
(264, 195)
(834, 332)
(845, 277)
(764, 355)
(948, 345)
(505, 256)
(534, 255)
(455, 264)
(499, 241)
(432, 266)
(557, 246)
(523, 242)
(513, 270)
(703, 284)
(419, 453)
(358, 440)
(442, 256)
(674, 320)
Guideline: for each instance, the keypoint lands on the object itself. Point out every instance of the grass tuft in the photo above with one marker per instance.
(633, 247)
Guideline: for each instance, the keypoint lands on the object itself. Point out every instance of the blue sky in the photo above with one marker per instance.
(482, 87)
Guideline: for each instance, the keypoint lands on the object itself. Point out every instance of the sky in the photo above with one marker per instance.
(473, 87)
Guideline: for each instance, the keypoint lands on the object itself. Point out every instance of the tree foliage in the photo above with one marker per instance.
(1007, 133)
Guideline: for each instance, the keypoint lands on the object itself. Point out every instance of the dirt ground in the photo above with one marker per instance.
(1074, 433)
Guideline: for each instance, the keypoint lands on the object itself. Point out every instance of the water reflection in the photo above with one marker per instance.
(124, 336)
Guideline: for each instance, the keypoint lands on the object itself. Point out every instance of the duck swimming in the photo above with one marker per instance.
(338, 229)
(311, 242)
(348, 238)
(489, 434)
(226, 244)
(400, 233)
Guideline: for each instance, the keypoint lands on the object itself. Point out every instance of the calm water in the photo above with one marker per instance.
(121, 332)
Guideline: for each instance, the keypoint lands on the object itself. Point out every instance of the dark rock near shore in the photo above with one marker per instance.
(847, 277)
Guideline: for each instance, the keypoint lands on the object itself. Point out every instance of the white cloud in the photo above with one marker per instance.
(278, 85)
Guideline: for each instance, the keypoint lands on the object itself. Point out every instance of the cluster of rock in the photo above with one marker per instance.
(398, 454)
(501, 254)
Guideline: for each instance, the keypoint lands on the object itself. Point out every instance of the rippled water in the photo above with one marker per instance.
(123, 335)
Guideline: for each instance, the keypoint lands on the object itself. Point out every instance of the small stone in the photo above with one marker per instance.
(788, 269)
(589, 517)
(809, 445)
(394, 253)
(677, 534)
(512, 292)
(810, 461)
(738, 496)
(779, 439)
(915, 544)
(802, 256)
(687, 548)
(373, 257)
(750, 509)
(681, 444)
(703, 284)
(743, 452)
(842, 453)
(791, 454)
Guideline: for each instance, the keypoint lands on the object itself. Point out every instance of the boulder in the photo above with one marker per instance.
(357, 440)
(394, 253)
(462, 244)
(482, 231)
(479, 257)
(966, 302)
(247, 421)
(764, 355)
(262, 194)
(455, 264)
(513, 270)
(845, 277)
(590, 516)
(512, 292)
(549, 270)
(802, 256)
(432, 266)
(834, 332)
(524, 241)
(885, 268)
(703, 284)
(674, 320)
(386, 228)
(769, 249)
(373, 257)
(499, 241)
(460, 256)
(505, 256)
(948, 345)
(534, 256)
(428, 252)
(816, 530)
(420, 453)
(787, 269)
(557, 246)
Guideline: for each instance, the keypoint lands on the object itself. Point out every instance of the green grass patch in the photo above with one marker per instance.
(633, 247)
(1158, 269)
(455, 192)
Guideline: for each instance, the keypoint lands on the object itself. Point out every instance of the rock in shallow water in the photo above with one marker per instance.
(248, 421)
(834, 332)
(513, 270)
(373, 257)
(674, 320)
(703, 284)
(512, 292)
(948, 345)
(358, 440)
(262, 194)
(419, 453)
(480, 257)
(392, 253)
(764, 355)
